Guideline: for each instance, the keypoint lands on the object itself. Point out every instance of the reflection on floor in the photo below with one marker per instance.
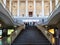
(5, 41)
(0, 41)
(31, 36)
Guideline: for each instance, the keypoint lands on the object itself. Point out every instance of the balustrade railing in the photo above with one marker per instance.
(9, 40)
(53, 10)
(48, 35)
(7, 9)
(16, 33)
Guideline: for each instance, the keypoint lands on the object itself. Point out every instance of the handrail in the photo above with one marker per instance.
(50, 15)
(48, 35)
(6, 7)
(9, 40)
(16, 33)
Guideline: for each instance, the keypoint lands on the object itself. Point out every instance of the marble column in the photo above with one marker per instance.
(18, 10)
(50, 6)
(42, 8)
(34, 9)
(4, 1)
(26, 8)
(56, 2)
(10, 5)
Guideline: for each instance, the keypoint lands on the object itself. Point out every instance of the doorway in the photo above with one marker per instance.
(30, 14)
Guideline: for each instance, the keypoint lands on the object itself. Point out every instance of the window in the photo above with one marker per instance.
(22, 8)
(53, 4)
(46, 8)
(38, 8)
(7, 4)
(30, 14)
(14, 8)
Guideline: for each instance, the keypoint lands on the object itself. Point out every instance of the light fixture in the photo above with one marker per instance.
(51, 31)
(15, 26)
(46, 26)
(0, 25)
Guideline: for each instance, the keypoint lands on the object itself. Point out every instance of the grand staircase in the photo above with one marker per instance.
(31, 36)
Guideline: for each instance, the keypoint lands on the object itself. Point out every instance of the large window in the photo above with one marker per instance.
(22, 8)
(38, 8)
(53, 4)
(7, 4)
(14, 7)
(30, 7)
(46, 8)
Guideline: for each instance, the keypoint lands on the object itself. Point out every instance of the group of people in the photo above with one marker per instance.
(29, 23)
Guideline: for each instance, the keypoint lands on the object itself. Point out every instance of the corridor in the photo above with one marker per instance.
(31, 36)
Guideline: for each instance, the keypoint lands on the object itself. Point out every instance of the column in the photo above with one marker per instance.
(42, 8)
(26, 8)
(10, 5)
(34, 9)
(40, 14)
(18, 9)
(4, 3)
(50, 6)
(56, 2)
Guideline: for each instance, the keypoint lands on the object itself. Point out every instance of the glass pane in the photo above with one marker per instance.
(46, 8)
(22, 8)
(7, 4)
(14, 8)
(53, 4)
(38, 8)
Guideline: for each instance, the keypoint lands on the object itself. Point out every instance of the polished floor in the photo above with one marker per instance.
(31, 36)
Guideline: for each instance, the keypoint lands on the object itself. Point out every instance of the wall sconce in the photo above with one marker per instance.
(0, 25)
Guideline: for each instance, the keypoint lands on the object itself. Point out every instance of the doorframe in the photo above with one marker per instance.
(30, 15)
